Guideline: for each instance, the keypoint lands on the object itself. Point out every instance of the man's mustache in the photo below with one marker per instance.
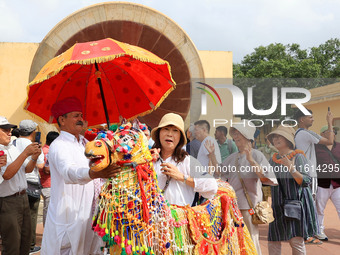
(80, 123)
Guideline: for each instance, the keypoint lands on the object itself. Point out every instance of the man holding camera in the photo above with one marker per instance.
(28, 134)
(15, 221)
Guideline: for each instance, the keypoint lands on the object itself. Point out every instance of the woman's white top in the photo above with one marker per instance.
(179, 193)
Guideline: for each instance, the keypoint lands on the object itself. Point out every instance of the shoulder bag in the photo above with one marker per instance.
(33, 189)
(262, 213)
(292, 208)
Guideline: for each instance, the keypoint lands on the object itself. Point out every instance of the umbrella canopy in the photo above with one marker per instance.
(113, 80)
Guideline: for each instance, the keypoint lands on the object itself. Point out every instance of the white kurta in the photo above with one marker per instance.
(69, 213)
(178, 192)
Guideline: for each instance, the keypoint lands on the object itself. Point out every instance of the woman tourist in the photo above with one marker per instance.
(179, 175)
(250, 165)
(291, 170)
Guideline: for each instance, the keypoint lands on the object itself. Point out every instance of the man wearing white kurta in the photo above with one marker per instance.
(68, 223)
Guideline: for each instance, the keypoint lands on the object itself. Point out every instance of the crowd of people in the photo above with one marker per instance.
(60, 173)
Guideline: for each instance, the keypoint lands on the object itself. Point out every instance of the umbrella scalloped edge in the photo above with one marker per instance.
(99, 60)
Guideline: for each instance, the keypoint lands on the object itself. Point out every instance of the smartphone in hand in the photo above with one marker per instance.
(329, 109)
(37, 137)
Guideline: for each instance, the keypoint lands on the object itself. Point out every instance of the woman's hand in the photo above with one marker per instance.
(248, 150)
(172, 171)
(288, 163)
(155, 154)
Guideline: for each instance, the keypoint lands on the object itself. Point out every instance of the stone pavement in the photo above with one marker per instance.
(332, 230)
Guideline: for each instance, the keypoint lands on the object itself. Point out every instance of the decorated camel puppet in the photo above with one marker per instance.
(133, 217)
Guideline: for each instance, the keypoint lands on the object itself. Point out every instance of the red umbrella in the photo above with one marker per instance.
(113, 80)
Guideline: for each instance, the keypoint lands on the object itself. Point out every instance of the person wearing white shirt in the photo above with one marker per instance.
(306, 140)
(27, 131)
(15, 220)
(68, 223)
(179, 175)
(202, 129)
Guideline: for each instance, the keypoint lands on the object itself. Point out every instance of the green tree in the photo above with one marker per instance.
(278, 65)
(327, 55)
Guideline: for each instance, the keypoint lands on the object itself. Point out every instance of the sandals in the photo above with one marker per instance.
(312, 240)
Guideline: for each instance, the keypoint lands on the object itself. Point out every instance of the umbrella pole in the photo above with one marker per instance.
(98, 76)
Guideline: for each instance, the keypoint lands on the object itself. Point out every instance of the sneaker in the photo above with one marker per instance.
(35, 250)
(322, 236)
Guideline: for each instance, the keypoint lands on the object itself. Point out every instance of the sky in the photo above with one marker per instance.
(224, 25)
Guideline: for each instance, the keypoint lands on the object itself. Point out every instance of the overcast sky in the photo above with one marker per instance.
(227, 25)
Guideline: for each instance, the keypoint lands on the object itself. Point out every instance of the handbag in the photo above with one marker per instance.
(262, 213)
(33, 189)
(292, 208)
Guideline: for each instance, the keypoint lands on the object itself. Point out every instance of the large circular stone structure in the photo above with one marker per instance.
(137, 25)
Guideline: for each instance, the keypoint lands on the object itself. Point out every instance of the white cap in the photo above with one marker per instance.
(244, 128)
(5, 124)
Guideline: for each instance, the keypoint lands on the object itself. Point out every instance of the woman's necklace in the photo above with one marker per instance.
(289, 156)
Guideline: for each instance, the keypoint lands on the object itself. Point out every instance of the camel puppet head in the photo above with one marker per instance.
(126, 144)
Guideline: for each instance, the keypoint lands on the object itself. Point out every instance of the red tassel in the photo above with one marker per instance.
(144, 201)
(142, 174)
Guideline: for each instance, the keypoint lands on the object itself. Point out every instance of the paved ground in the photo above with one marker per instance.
(332, 230)
(332, 225)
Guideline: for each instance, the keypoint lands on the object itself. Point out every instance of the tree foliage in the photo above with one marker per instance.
(286, 66)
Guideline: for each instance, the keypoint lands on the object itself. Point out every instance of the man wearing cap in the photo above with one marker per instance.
(328, 171)
(27, 131)
(68, 224)
(15, 220)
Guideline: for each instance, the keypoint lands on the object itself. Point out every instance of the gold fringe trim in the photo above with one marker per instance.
(99, 60)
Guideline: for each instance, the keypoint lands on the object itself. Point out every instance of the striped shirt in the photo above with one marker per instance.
(282, 229)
